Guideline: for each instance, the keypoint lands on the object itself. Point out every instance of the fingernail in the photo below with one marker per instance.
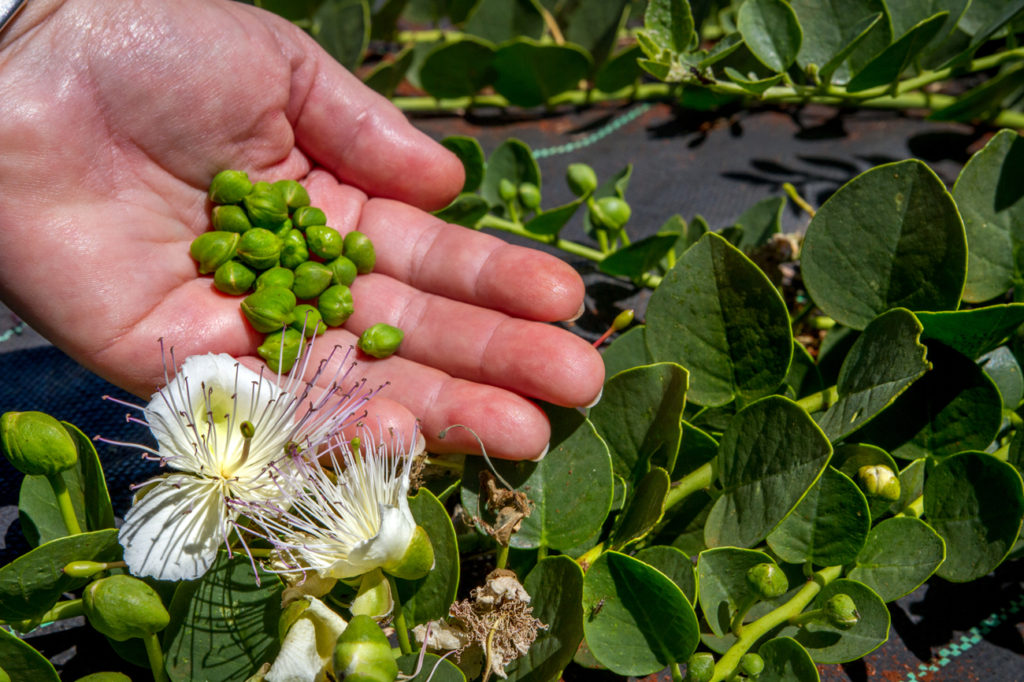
(542, 455)
(579, 313)
(596, 400)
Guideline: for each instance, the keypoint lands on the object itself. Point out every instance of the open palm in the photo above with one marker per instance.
(114, 118)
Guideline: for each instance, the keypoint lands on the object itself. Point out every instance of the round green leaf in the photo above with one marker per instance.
(1002, 368)
(841, 36)
(501, 20)
(771, 31)
(891, 237)
(429, 597)
(974, 331)
(34, 582)
(529, 73)
(770, 454)
(458, 69)
(594, 26)
(828, 527)
(342, 27)
(556, 586)
(976, 504)
(465, 210)
(722, 583)
(643, 509)
(639, 417)
(696, 449)
(21, 662)
(472, 157)
(673, 563)
(571, 488)
(434, 669)
(719, 316)
(552, 221)
(628, 350)
(786, 661)
(991, 200)
(886, 67)
(669, 25)
(621, 71)
(512, 161)
(645, 622)
(828, 644)
(899, 555)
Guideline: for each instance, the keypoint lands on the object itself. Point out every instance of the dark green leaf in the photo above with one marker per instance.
(899, 555)
(594, 26)
(501, 20)
(891, 237)
(639, 257)
(223, 626)
(429, 598)
(831, 27)
(828, 527)
(342, 27)
(976, 331)
(33, 582)
(627, 351)
(760, 222)
(826, 643)
(998, 16)
(556, 586)
(722, 49)
(512, 160)
(639, 415)
(786, 661)
(991, 200)
(722, 583)
(771, 31)
(643, 510)
(458, 69)
(571, 488)
(388, 75)
(986, 100)
(894, 60)
(755, 86)
(883, 362)
(385, 18)
(1003, 369)
(719, 315)
(621, 71)
(850, 458)
(645, 621)
(21, 663)
(530, 73)
(907, 13)
(911, 484)
(433, 670)
(866, 27)
(465, 210)
(696, 449)
(552, 221)
(804, 377)
(673, 563)
(976, 503)
(668, 24)
(472, 157)
(770, 454)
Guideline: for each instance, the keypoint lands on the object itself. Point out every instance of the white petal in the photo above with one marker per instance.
(174, 531)
(388, 545)
(307, 648)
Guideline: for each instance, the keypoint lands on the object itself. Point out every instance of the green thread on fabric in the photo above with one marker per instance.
(596, 136)
(13, 331)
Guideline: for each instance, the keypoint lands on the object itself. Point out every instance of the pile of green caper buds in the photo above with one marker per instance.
(268, 240)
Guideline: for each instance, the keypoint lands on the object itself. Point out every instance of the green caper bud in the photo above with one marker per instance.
(37, 444)
(122, 607)
(529, 195)
(418, 559)
(213, 249)
(344, 271)
(230, 218)
(324, 241)
(380, 340)
(878, 480)
(229, 187)
(234, 278)
(84, 569)
(751, 664)
(767, 580)
(281, 349)
(335, 305)
(841, 611)
(308, 320)
(259, 248)
(305, 216)
(581, 178)
(359, 250)
(363, 653)
(282, 230)
(294, 194)
(610, 213)
(311, 278)
(700, 667)
(265, 205)
(506, 190)
(276, 277)
(294, 251)
(269, 309)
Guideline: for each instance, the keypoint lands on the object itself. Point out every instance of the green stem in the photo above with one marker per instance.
(59, 611)
(795, 197)
(155, 656)
(677, 674)
(822, 400)
(590, 556)
(754, 631)
(67, 509)
(915, 508)
(400, 627)
(502, 559)
(698, 479)
(807, 617)
(737, 621)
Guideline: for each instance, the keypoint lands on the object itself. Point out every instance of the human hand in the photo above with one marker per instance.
(115, 116)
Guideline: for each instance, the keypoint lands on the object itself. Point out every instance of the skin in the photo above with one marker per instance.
(114, 119)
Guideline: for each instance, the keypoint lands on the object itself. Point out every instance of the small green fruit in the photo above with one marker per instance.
(344, 271)
(213, 249)
(417, 560)
(880, 481)
(751, 664)
(234, 278)
(335, 305)
(581, 178)
(122, 607)
(700, 667)
(258, 248)
(841, 611)
(507, 190)
(265, 205)
(295, 195)
(84, 569)
(307, 216)
(611, 213)
(308, 320)
(380, 340)
(294, 251)
(359, 249)
(281, 349)
(311, 278)
(269, 309)
(363, 653)
(767, 580)
(230, 218)
(324, 241)
(37, 444)
(276, 277)
(529, 195)
(229, 187)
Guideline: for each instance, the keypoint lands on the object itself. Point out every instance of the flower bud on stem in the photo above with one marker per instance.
(621, 321)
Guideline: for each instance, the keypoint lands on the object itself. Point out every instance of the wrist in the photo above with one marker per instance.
(30, 14)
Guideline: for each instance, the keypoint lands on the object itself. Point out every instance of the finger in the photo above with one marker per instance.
(361, 138)
(480, 345)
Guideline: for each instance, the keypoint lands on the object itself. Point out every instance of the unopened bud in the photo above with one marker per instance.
(213, 249)
(258, 248)
(294, 250)
(269, 309)
(311, 278)
(335, 305)
(84, 569)
(623, 320)
(878, 480)
(359, 249)
(308, 321)
(529, 195)
(700, 667)
(610, 213)
(230, 218)
(417, 560)
(324, 241)
(506, 190)
(281, 349)
(265, 205)
(751, 664)
(307, 216)
(581, 178)
(234, 278)
(841, 611)
(294, 194)
(767, 580)
(363, 653)
(344, 271)
(380, 340)
(229, 187)
(122, 607)
(37, 444)
(276, 277)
